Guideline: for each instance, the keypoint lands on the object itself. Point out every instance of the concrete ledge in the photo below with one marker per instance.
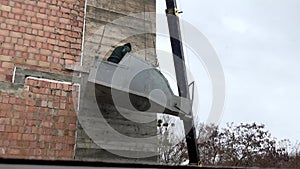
(22, 73)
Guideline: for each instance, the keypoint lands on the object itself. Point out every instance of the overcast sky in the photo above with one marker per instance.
(258, 45)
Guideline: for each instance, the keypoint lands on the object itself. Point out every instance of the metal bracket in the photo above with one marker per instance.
(193, 91)
(174, 11)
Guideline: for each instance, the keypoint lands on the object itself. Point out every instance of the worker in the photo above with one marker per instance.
(119, 52)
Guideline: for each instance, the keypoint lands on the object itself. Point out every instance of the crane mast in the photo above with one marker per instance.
(181, 77)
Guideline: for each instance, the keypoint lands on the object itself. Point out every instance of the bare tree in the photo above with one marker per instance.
(172, 147)
(248, 145)
(245, 145)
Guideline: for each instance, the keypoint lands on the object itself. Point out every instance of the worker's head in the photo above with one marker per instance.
(129, 45)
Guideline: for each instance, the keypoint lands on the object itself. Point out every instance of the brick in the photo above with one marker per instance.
(2, 78)
(31, 62)
(18, 4)
(53, 18)
(38, 44)
(42, 4)
(17, 17)
(33, 50)
(11, 15)
(4, 14)
(64, 44)
(43, 58)
(21, 48)
(3, 25)
(44, 64)
(54, 7)
(65, 10)
(76, 46)
(29, 13)
(70, 39)
(7, 65)
(32, 109)
(22, 29)
(13, 151)
(48, 11)
(11, 3)
(11, 21)
(36, 26)
(2, 113)
(40, 15)
(14, 40)
(69, 62)
(61, 61)
(44, 45)
(26, 42)
(7, 46)
(46, 22)
(36, 9)
(48, 28)
(50, 47)
(62, 37)
(50, 104)
(16, 34)
(8, 129)
(47, 124)
(29, 37)
(64, 20)
(17, 10)
(5, 8)
(24, 24)
(31, 123)
(28, 137)
(20, 108)
(45, 52)
(62, 112)
(32, 43)
(30, 102)
(47, 34)
(20, 41)
(68, 56)
(74, 12)
(5, 121)
(4, 32)
(40, 33)
(2, 127)
(44, 103)
(52, 35)
(5, 58)
(41, 39)
(17, 122)
(40, 21)
(12, 53)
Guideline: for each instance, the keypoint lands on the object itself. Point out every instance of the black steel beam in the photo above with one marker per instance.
(181, 76)
(63, 164)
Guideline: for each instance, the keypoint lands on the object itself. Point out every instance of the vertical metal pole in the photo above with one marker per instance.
(181, 77)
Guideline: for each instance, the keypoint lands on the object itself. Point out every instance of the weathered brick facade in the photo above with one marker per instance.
(40, 35)
(40, 123)
(37, 116)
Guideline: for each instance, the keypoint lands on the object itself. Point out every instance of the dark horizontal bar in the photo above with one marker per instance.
(57, 164)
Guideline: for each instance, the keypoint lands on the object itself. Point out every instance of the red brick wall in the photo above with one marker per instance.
(38, 121)
(42, 35)
(41, 123)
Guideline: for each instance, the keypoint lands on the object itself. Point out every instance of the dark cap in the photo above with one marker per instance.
(128, 44)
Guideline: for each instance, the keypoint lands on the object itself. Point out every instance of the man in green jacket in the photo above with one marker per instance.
(120, 51)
